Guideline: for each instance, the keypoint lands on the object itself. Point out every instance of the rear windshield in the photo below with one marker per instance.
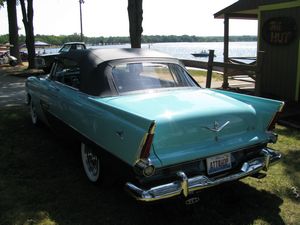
(149, 75)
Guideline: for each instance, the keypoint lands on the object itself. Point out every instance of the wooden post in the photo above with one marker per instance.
(226, 47)
(258, 72)
(210, 68)
(81, 32)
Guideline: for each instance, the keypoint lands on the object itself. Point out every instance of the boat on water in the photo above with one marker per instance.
(203, 53)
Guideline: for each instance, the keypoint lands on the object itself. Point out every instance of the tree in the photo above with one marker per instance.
(28, 25)
(135, 15)
(13, 29)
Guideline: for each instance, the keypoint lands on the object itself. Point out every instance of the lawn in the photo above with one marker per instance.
(42, 183)
(201, 75)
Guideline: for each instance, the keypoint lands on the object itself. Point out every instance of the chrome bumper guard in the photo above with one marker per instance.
(187, 186)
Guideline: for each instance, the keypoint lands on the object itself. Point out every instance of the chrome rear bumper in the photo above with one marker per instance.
(187, 186)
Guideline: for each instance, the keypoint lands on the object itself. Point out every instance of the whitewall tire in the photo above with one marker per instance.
(91, 163)
(33, 114)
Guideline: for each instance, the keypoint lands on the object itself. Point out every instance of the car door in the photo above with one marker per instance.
(49, 94)
(56, 89)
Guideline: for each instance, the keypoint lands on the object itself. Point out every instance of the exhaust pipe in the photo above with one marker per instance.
(258, 175)
(192, 200)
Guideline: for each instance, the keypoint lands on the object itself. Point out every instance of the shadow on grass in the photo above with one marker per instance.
(42, 182)
(283, 131)
(291, 163)
(291, 156)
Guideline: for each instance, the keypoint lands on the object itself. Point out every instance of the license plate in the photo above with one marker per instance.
(218, 163)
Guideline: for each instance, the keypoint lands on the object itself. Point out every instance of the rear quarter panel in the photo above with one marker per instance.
(265, 109)
(117, 131)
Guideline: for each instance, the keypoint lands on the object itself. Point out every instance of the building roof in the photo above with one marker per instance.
(245, 9)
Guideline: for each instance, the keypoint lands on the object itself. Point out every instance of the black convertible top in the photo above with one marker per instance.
(95, 77)
(97, 56)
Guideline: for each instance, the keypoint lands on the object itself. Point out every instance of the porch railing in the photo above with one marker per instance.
(231, 68)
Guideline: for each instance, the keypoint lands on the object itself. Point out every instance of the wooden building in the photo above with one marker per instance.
(278, 37)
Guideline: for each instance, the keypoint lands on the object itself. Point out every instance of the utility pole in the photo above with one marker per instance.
(81, 33)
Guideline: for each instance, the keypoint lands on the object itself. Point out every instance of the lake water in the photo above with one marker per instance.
(183, 50)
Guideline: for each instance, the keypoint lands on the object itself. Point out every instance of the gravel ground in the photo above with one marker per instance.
(12, 89)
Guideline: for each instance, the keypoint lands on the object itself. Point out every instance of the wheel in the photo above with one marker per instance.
(27, 99)
(13, 63)
(91, 163)
(33, 114)
(34, 117)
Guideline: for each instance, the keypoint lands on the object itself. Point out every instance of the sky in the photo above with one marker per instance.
(110, 18)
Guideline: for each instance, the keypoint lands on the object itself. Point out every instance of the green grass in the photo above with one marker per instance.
(42, 183)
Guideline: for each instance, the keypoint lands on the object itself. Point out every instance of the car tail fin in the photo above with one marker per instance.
(147, 142)
(273, 121)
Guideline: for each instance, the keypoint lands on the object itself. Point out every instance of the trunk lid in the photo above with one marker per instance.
(194, 123)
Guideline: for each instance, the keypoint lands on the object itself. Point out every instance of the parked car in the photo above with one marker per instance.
(48, 59)
(141, 113)
(6, 58)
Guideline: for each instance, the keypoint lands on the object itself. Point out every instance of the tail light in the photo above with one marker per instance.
(145, 152)
(144, 167)
(272, 123)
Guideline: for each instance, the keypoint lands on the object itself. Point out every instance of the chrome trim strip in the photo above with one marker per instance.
(281, 107)
(216, 127)
(186, 186)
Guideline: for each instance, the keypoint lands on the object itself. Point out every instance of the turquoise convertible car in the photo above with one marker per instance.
(140, 114)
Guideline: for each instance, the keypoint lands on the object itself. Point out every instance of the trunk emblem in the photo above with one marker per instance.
(217, 128)
(120, 134)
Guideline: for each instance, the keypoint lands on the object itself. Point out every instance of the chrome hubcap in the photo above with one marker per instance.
(90, 163)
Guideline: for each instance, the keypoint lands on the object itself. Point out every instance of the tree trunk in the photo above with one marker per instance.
(13, 29)
(28, 24)
(135, 15)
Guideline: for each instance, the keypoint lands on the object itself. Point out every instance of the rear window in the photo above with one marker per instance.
(148, 75)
